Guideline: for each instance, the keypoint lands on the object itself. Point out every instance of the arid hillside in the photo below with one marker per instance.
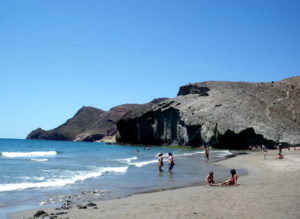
(223, 114)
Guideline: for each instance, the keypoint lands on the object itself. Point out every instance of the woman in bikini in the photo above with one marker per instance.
(160, 162)
(232, 181)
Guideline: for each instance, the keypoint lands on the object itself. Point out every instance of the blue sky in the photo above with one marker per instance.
(58, 55)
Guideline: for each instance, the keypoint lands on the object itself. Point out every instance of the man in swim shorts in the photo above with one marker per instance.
(171, 162)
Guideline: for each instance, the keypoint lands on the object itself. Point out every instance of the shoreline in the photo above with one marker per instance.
(28, 207)
(86, 191)
(193, 200)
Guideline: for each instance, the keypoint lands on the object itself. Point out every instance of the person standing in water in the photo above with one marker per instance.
(160, 162)
(206, 153)
(171, 162)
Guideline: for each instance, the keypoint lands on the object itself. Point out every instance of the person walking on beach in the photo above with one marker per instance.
(206, 153)
(160, 162)
(265, 154)
(171, 162)
(232, 181)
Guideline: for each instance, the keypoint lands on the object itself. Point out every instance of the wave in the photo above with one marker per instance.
(80, 176)
(37, 178)
(189, 154)
(38, 160)
(127, 160)
(226, 152)
(143, 163)
(114, 169)
(222, 153)
(28, 154)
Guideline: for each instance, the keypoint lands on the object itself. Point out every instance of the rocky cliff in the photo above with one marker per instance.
(92, 124)
(223, 114)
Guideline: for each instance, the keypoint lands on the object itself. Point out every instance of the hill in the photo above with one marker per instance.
(91, 124)
(223, 114)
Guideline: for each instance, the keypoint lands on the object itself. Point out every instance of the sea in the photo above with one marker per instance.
(36, 173)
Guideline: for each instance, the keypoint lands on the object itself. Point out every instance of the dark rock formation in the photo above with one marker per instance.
(85, 119)
(81, 206)
(67, 204)
(223, 114)
(40, 214)
(92, 124)
(193, 89)
(91, 204)
(35, 134)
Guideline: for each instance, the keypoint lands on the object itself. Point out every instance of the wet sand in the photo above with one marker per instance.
(270, 190)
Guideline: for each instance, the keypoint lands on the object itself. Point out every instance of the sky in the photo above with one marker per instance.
(58, 55)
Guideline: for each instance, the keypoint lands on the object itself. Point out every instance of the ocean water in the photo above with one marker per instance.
(38, 172)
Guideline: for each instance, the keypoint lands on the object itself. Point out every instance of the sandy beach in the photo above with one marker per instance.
(270, 190)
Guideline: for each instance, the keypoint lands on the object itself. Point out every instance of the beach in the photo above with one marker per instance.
(270, 190)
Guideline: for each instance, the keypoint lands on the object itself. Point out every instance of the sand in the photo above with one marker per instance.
(270, 190)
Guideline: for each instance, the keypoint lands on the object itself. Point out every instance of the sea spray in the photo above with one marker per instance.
(28, 154)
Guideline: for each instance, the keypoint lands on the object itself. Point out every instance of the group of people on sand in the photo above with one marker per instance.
(232, 180)
(253, 148)
(264, 149)
(170, 161)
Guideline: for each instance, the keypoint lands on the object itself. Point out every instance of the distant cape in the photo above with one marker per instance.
(92, 124)
(218, 113)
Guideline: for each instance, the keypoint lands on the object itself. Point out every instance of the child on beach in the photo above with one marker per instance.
(265, 154)
(210, 178)
(232, 181)
(280, 156)
(160, 162)
(171, 162)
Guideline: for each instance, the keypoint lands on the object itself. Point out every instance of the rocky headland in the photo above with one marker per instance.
(92, 124)
(222, 114)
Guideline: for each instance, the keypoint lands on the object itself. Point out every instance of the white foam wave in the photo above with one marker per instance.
(38, 160)
(38, 178)
(127, 160)
(143, 163)
(29, 154)
(115, 169)
(221, 153)
(190, 154)
(226, 152)
(80, 176)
